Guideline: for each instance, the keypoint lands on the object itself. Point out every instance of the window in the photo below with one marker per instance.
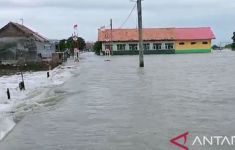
(108, 47)
(146, 46)
(133, 47)
(205, 43)
(47, 47)
(169, 46)
(181, 43)
(193, 43)
(157, 46)
(121, 47)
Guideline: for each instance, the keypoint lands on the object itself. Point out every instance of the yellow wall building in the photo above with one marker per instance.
(196, 46)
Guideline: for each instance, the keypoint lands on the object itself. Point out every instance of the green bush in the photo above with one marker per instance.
(97, 47)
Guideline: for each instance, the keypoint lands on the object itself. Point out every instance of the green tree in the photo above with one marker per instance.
(233, 46)
(71, 44)
(62, 45)
(80, 41)
(97, 47)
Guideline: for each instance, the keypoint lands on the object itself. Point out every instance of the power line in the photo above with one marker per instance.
(128, 16)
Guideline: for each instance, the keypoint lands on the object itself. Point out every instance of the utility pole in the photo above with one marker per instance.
(141, 51)
(111, 36)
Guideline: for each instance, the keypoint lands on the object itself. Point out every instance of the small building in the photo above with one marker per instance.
(157, 40)
(18, 42)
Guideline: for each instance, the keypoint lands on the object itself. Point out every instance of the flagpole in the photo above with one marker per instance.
(76, 47)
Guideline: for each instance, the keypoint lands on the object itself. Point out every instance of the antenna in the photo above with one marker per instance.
(22, 21)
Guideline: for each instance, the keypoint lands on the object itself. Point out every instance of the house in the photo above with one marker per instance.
(157, 40)
(18, 42)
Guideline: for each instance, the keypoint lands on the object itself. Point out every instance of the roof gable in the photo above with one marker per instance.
(16, 30)
(10, 30)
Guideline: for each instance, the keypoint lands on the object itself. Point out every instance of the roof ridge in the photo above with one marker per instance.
(191, 27)
(28, 30)
(206, 27)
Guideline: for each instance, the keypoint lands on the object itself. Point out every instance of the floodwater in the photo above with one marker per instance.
(114, 105)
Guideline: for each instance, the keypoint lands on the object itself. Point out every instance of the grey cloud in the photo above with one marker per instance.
(55, 18)
(71, 4)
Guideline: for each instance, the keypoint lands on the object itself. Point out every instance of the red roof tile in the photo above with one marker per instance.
(194, 33)
(150, 34)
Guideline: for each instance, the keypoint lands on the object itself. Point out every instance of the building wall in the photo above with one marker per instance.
(198, 47)
(11, 48)
(45, 49)
(14, 48)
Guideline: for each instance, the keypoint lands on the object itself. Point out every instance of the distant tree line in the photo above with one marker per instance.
(216, 47)
(228, 46)
(69, 43)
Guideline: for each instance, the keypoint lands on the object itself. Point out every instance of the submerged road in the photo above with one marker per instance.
(117, 106)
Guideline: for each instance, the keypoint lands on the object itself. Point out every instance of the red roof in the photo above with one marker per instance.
(150, 34)
(194, 33)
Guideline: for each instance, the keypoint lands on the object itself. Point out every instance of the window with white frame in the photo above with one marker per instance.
(157, 46)
(133, 47)
(121, 47)
(169, 46)
(146, 46)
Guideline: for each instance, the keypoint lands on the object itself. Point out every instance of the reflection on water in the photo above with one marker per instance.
(116, 105)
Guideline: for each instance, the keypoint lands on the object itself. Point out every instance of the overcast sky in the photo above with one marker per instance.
(55, 18)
